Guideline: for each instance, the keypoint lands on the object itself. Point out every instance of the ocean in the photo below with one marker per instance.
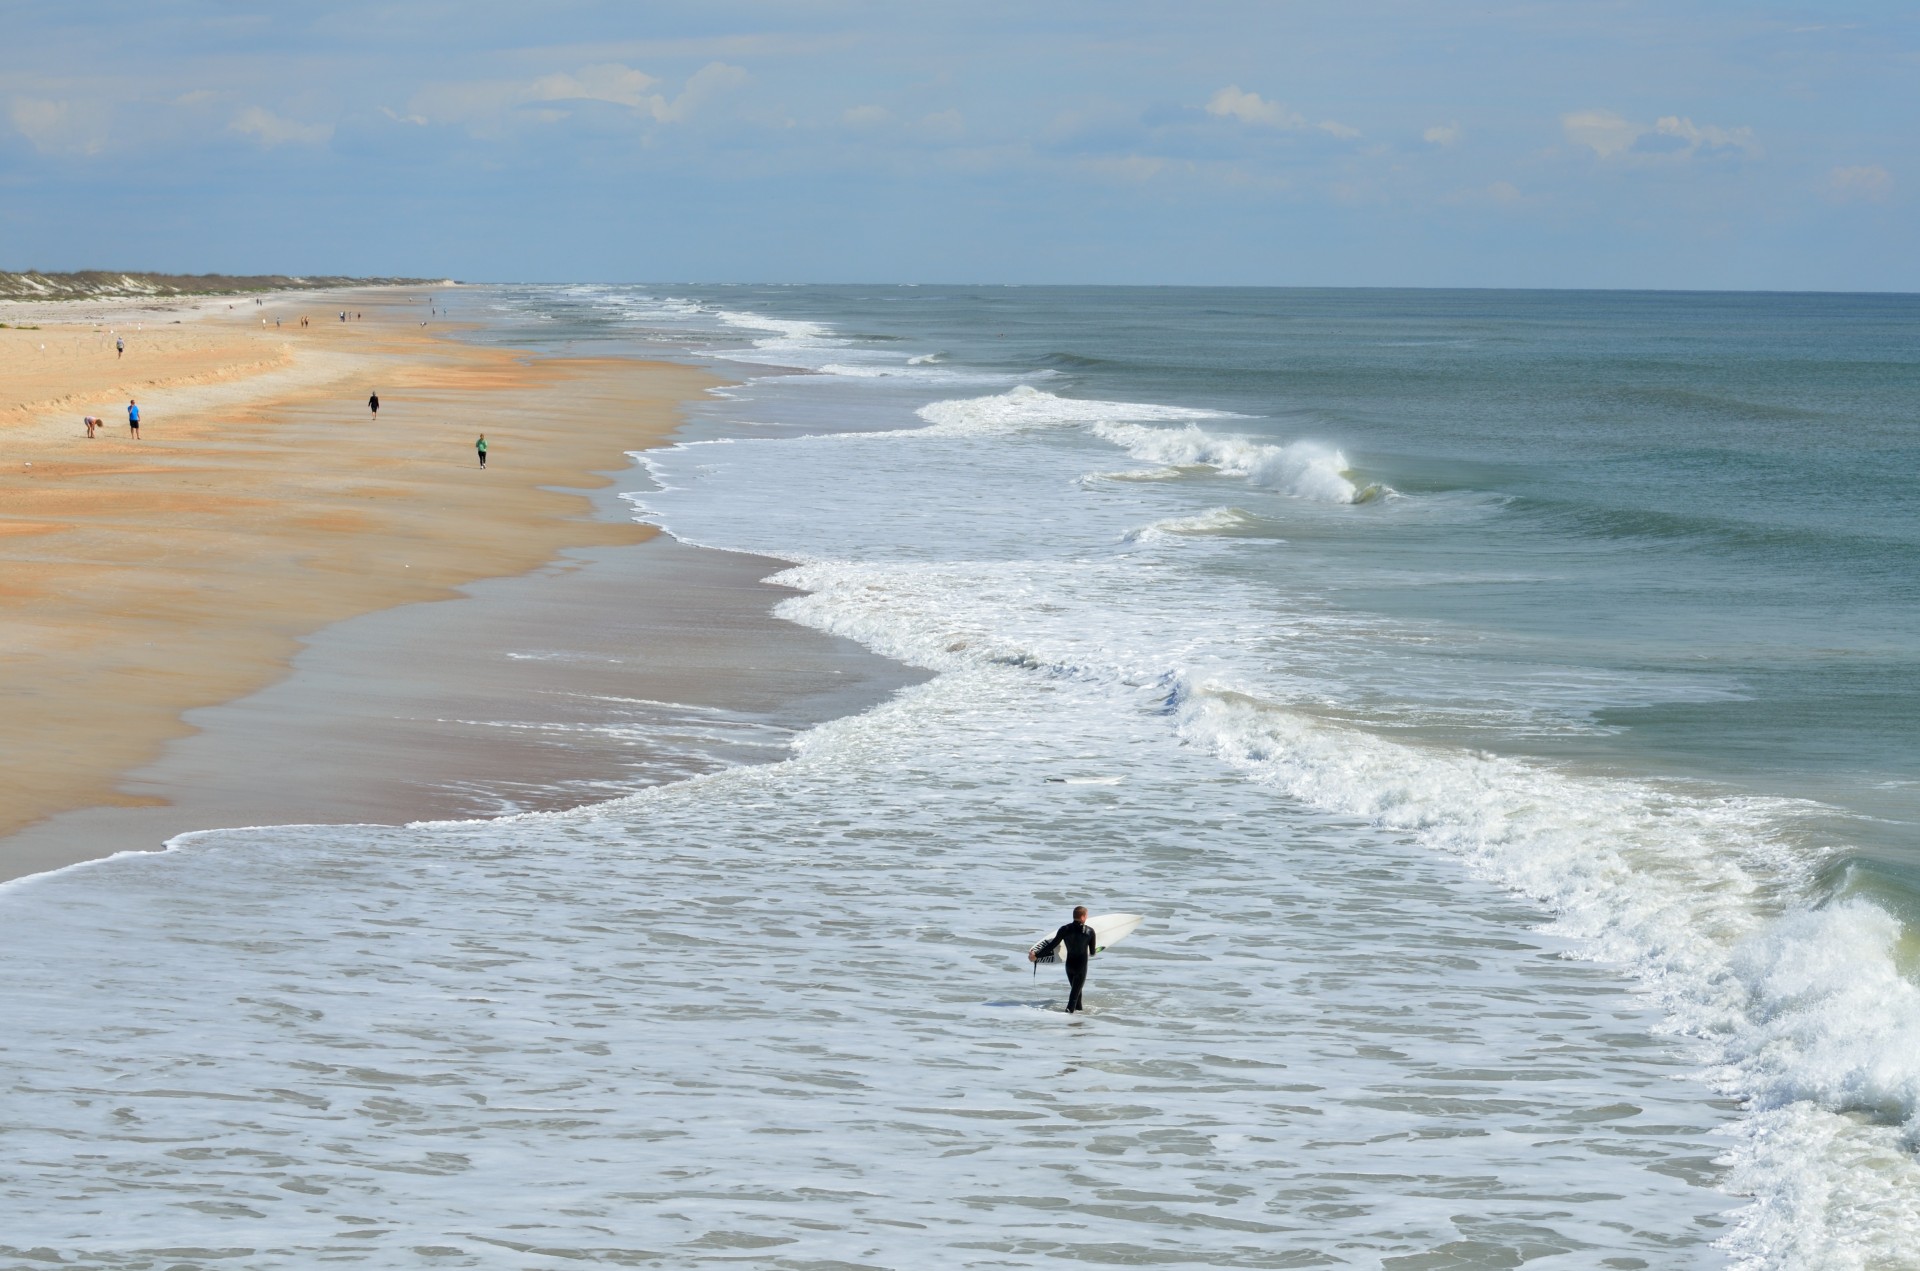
(1500, 704)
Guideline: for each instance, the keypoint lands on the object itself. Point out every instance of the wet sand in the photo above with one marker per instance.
(608, 670)
(159, 587)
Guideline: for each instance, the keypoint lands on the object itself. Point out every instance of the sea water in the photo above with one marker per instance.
(1499, 704)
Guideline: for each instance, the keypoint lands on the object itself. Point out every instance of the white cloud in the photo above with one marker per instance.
(486, 106)
(271, 130)
(1441, 134)
(1252, 108)
(710, 81)
(865, 116)
(1613, 136)
(398, 118)
(1869, 183)
(1233, 102)
(60, 127)
(1601, 131)
(607, 82)
(1707, 136)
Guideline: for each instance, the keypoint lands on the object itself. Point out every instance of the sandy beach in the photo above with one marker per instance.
(147, 578)
(1208, 636)
(514, 939)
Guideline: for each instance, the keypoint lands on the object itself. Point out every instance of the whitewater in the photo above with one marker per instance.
(1429, 978)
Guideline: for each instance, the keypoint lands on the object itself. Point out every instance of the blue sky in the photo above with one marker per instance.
(1596, 144)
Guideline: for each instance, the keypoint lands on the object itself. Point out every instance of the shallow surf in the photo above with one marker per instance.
(1450, 955)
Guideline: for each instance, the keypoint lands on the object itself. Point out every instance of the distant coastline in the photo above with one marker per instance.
(101, 284)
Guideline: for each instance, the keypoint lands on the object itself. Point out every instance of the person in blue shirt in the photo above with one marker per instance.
(133, 418)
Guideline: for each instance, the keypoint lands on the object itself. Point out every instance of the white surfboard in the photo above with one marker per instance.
(1109, 930)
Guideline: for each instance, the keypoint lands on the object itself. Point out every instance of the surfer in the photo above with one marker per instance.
(1076, 940)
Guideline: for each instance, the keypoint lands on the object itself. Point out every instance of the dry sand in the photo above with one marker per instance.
(140, 580)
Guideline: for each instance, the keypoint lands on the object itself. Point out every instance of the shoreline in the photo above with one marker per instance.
(597, 674)
(157, 585)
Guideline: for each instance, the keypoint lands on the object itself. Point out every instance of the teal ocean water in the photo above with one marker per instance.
(1682, 526)
(1500, 703)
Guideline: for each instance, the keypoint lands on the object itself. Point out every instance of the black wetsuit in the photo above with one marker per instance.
(1076, 941)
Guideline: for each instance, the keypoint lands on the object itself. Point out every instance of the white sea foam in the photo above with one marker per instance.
(867, 372)
(1801, 1009)
(1026, 407)
(780, 1014)
(1135, 474)
(912, 371)
(1213, 521)
(1801, 1014)
(1376, 1014)
(1306, 469)
(785, 332)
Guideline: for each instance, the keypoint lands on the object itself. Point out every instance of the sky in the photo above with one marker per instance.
(1604, 143)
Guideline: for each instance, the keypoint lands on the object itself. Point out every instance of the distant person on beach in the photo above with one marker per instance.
(1079, 941)
(91, 423)
(133, 418)
(480, 448)
(373, 404)
(119, 347)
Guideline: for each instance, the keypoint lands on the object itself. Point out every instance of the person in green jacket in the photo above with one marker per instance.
(480, 448)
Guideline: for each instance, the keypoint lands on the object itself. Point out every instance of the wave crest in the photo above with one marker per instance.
(1026, 407)
(1305, 469)
(1222, 521)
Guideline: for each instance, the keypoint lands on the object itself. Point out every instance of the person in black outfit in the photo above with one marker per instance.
(1076, 940)
(373, 404)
